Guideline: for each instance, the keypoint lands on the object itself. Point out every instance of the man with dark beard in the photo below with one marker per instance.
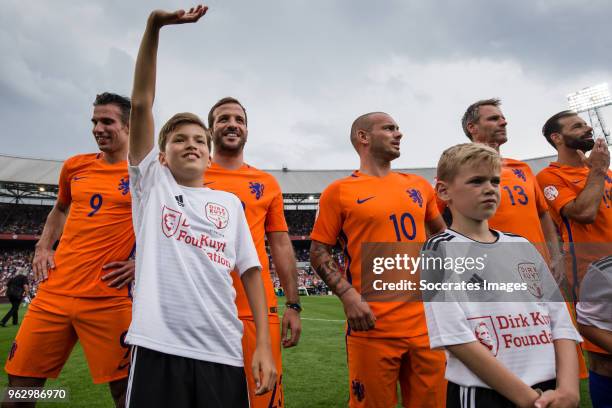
(262, 201)
(579, 192)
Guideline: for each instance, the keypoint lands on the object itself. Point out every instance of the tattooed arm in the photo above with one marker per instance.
(357, 311)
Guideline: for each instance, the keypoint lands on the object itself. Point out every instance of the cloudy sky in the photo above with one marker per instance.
(304, 70)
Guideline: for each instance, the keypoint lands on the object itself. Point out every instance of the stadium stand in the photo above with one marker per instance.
(15, 261)
(23, 219)
(300, 222)
(28, 188)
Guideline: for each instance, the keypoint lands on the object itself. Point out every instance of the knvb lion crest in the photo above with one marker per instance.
(520, 174)
(124, 185)
(530, 275)
(257, 189)
(358, 390)
(416, 196)
(170, 222)
(485, 333)
(217, 214)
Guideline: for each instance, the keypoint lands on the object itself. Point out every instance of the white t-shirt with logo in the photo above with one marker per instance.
(595, 305)
(519, 331)
(189, 240)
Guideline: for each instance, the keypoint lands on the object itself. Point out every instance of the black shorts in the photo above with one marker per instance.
(458, 396)
(165, 380)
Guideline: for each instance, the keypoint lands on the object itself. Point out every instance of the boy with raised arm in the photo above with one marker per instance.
(185, 328)
(503, 349)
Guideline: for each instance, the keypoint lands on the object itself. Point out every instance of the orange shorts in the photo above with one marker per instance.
(275, 398)
(53, 324)
(376, 365)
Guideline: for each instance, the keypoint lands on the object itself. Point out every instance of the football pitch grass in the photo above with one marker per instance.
(314, 372)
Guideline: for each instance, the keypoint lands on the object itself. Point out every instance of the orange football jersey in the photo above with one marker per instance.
(585, 243)
(262, 201)
(562, 184)
(521, 204)
(363, 208)
(98, 229)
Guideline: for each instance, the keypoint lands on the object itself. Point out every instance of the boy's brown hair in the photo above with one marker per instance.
(467, 153)
(180, 119)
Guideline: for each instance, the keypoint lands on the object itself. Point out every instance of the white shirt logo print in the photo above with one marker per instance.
(171, 219)
(217, 214)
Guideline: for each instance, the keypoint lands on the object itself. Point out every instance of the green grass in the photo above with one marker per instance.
(315, 372)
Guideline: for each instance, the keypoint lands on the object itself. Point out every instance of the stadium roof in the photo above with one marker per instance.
(20, 170)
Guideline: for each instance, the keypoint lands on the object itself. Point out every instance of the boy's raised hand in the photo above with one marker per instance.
(161, 17)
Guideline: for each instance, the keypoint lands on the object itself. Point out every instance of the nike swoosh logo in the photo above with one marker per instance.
(210, 182)
(576, 181)
(75, 178)
(364, 200)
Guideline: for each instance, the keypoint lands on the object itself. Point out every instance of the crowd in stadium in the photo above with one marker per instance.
(22, 219)
(13, 262)
(300, 222)
(30, 219)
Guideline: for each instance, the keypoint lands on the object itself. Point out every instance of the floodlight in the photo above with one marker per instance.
(311, 197)
(589, 98)
(41, 189)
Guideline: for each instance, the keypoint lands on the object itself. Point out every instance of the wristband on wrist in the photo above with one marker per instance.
(339, 294)
(295, 306)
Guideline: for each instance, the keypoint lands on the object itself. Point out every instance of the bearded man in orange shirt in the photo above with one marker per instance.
(262, 201)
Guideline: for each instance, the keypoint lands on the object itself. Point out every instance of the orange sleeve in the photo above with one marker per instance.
(433, 210)
(555, 190)
(541, 204)
(275, 218)
(64, 195)
(328, 221)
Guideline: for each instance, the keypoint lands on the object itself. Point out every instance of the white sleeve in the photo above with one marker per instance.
(595, 305)
(447, 324)
(144, 175)
(561, 323)
(548, 284)
(246, 255)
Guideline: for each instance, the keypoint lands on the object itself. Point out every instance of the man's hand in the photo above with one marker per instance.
(122, 275)
(291, 322)
(264, 370)
(557, 399)
(599, 159)
(42, 263)
(557, 269)
(160, 18)
(358, 313)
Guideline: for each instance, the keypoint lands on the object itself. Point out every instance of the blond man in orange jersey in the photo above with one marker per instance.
(522, 210)
(85, 290)
(262, 201)
(579, 191)
(386, 342)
